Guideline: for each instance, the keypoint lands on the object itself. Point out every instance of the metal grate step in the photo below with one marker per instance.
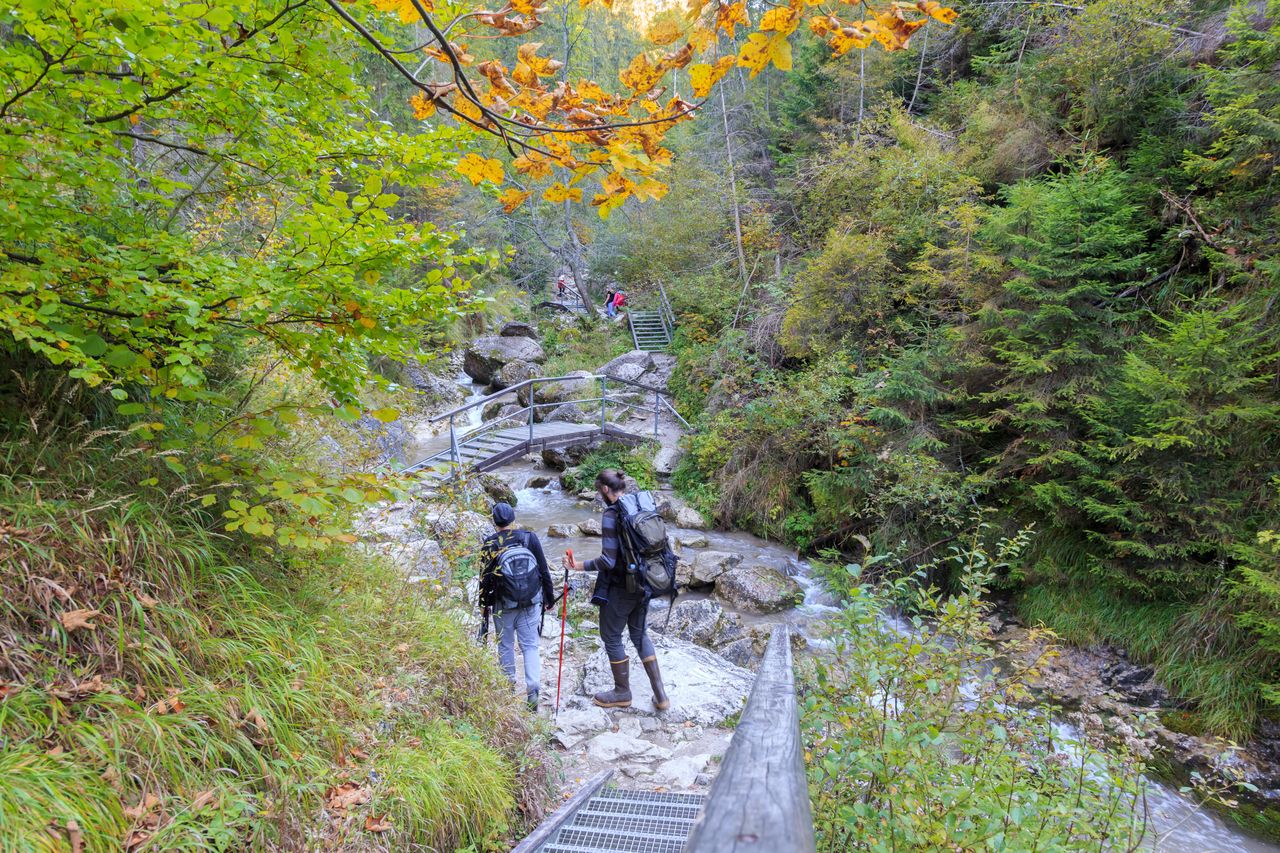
(614, 842)
(632, 824)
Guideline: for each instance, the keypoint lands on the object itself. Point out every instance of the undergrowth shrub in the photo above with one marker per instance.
(634, 461)
(911, 745)
(166, 684)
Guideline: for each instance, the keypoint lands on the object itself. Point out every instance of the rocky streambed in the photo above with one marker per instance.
(738, 588)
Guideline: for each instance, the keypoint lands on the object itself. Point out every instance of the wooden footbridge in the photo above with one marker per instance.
(500, 440)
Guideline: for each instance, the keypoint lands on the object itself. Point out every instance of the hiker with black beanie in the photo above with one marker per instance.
(624, 603)
(515, 584)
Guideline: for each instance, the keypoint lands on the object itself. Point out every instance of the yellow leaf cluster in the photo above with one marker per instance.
(664, 32)
(478, 169)
(423, 107)
(403, 8)
(703, 76)
(558, 192)
(761, 49)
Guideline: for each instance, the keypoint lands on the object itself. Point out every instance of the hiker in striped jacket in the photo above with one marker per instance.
(623, 602)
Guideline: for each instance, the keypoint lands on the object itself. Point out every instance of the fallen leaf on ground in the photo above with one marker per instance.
(377, 824)
(73, 620)
(347, 795)
(203, 799)
(75, 836)
(149, 802)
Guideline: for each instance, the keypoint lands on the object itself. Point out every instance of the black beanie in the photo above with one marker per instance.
(503, 514)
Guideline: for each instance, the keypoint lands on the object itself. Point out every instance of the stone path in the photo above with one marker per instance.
(676, 749)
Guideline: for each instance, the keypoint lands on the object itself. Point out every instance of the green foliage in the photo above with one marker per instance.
(581, 345)
(636, 462)
(178, 683)
(911, 747)
(179, 187)
(843, 295)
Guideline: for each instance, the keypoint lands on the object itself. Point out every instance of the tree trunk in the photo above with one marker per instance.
(733, 191)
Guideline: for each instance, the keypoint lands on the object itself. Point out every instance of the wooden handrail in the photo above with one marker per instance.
(760, 799)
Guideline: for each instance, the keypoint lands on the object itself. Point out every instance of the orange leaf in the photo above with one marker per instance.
(73, 620)
(346, 795)
(203, 799)
(728, 16)
(512, 198)
(377, 824)
(937, 11)
(533, 164)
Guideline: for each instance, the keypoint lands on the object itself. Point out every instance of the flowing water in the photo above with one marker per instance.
(422, 445)
(1177, 824)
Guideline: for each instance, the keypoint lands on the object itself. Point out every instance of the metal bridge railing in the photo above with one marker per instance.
(529, 412)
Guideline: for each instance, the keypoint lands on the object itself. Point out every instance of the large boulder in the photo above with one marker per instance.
(562, 531)
(629, 366)
(690, 519)
(517, 329)
(513, 373)
(497, 488)
(757, 589)
(710, 566)
(463, 529)
(560, 458)
(569, 413)
(703, 622)
(443, 390)
(486, 356)
(705, 689)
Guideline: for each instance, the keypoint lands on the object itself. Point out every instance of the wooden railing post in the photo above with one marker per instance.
(759, 802)
(604, 394)
(533, 390)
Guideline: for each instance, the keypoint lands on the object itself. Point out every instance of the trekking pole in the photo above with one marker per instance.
(564, 615)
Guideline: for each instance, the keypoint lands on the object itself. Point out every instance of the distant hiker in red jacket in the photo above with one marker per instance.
(560, 287)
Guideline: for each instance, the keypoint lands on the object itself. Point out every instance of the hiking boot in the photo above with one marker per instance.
(532, 699)
(660, 699)
(620, 695)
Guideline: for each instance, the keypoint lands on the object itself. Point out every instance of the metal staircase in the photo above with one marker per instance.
(619, 821)
(652, 331)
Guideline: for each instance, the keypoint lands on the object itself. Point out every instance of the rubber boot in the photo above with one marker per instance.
(660, 698)
(620, 695)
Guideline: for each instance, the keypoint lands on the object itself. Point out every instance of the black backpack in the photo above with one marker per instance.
(517, 571)
(647, 552)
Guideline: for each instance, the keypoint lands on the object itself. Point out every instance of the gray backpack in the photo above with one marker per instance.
(644, 539)
(518, 570)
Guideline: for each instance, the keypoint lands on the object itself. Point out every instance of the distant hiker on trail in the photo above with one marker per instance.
(515, 584)
(560, 286)
(624, 603)
(619, 300)
(608, 302)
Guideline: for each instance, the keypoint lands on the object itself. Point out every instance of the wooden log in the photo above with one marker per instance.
(546, 830)
(760, 800)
